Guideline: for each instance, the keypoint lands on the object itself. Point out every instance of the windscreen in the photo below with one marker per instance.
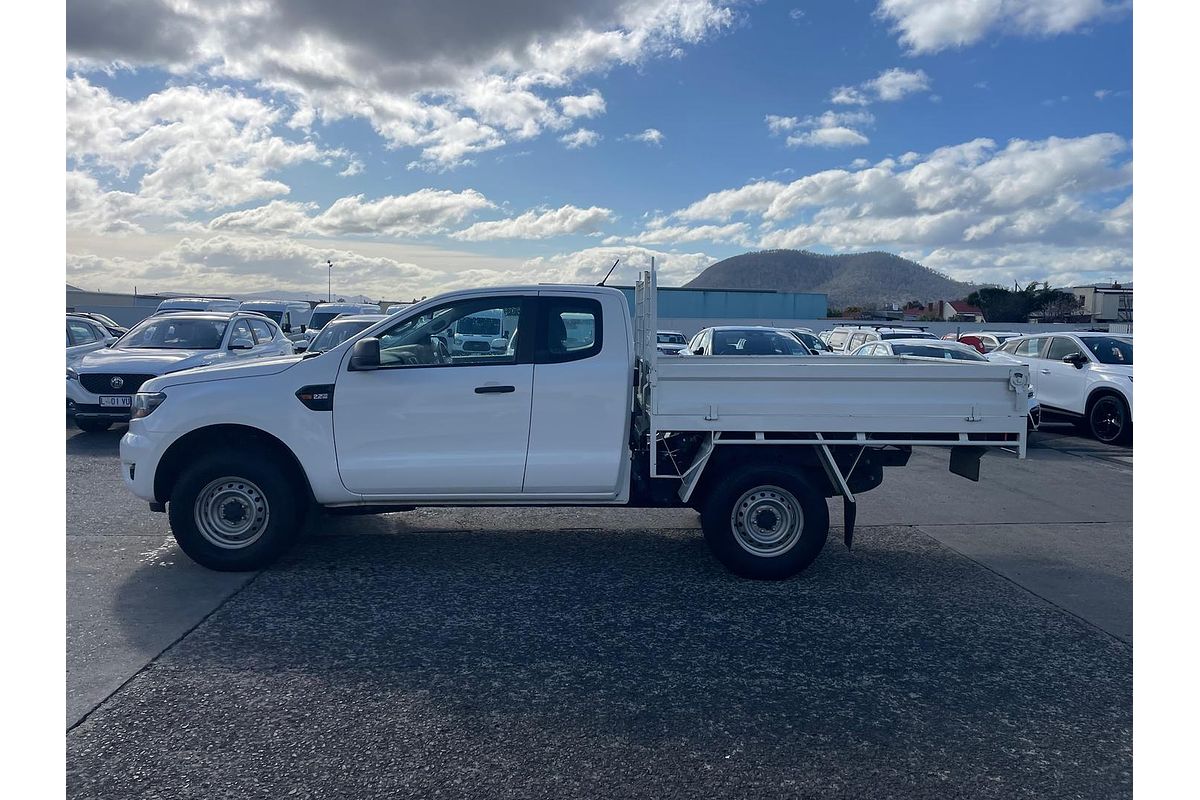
(335, 333)
(319, 318)
(936, 352)
(1110, 349)
(275, 315)
(671, 338)
(755, 343)
(811, 340)
(175, 332)
(907, 336)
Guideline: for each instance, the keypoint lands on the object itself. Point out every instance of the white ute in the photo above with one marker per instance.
(577, 410)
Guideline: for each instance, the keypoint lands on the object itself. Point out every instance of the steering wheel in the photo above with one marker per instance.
(440, 354)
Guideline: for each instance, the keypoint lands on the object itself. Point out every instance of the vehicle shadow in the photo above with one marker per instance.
(105, 443)
(587, 654)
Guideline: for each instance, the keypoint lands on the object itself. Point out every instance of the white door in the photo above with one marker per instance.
(1060, 384)
(429, 423)
(581, 403)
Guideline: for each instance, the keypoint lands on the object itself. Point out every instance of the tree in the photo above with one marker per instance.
(1037, 298)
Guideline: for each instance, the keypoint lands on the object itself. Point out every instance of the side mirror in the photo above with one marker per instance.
(303, 327)
(286, 327)
(699, 351)
(365, 355)
(110, 341)
(1077, 360)
(241, 344)
(500, 344)
(300, 346)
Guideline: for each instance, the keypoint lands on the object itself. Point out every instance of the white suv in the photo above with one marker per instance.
(101, 385)
(847, 338)
(1085, 377)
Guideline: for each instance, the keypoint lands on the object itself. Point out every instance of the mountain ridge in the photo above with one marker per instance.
(869, 279)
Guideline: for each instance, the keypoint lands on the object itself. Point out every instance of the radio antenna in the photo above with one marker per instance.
(610, 272)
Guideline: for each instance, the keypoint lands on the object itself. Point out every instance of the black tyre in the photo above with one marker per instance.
(237, 511)
(92, 425)
(765, 522)
(1108, 420)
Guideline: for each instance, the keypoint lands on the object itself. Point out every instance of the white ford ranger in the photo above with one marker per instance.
(390, 419)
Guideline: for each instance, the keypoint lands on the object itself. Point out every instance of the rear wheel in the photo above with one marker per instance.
(235, 512)
(92, 425)
(1108, 420)
(765, 522)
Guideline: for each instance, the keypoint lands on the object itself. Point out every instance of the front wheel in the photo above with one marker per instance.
(235, 512)
(1108, 420)
(767, 523)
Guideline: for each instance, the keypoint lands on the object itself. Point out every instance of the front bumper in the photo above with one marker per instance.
(87, 405)
(140, 455)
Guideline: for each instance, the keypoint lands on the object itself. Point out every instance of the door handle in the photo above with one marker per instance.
(494, 389)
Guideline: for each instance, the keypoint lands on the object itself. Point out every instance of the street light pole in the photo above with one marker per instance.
(329, 287)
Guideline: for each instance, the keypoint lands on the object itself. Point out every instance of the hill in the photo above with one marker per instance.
(848, 279)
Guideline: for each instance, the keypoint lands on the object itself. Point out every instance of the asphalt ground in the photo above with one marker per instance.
(975, 643)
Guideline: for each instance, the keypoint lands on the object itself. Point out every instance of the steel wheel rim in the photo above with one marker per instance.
(1108, 419)
(231, 513)
(767, 521)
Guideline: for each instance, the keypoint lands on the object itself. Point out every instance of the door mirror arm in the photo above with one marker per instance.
(365, 355)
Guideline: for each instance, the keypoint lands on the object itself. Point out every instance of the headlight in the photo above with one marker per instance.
(144, 403)
(72, 375)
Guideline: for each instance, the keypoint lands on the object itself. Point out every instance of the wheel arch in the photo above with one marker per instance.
(1102, 391)
(216, 438)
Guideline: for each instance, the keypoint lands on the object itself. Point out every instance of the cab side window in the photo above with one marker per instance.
(241, 331)
(81, 333)
(1061, 347)
(262, 331)
(568, 329)
(1028, 348)
(476, 332)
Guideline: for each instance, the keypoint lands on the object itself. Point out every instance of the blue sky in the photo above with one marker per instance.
(422, 151)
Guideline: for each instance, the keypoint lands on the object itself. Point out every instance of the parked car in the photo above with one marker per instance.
(940, 348)
(238, 454)
(337, 331)
(113, 328)
(983, 341)
(198, 304)
(815, 344)
(324, 312)
(1083, 377)
(290, 315)
(847, 338)
(102, 384)
(745, 340)
(671, 343)
(85, 335)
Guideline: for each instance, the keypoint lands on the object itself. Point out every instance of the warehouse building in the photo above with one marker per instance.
(689, 310)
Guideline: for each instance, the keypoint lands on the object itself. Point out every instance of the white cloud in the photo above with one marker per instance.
(195, 149)
(591, 264)
(961, 199)
(353, 167)
(652, 136)
(835, 136)
(423, 212)
(733, 233)
(888, 86)
(830, 129)
(587, 105)
(447, 88)
(580, 138)
(927, 26)
(534, 225)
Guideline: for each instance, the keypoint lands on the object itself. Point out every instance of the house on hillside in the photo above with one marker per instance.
(954, 311)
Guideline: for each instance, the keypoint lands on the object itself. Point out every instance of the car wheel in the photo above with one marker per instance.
(1108, 420)
(92, 425)
(235, 512)
(767, 523)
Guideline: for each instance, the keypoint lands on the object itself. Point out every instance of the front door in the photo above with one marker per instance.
(431, 423)
(1060, 384)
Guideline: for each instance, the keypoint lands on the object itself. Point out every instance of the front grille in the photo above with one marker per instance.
(476, 346)
(101, 382)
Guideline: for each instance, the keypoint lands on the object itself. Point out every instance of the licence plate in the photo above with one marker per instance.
(115, 402)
